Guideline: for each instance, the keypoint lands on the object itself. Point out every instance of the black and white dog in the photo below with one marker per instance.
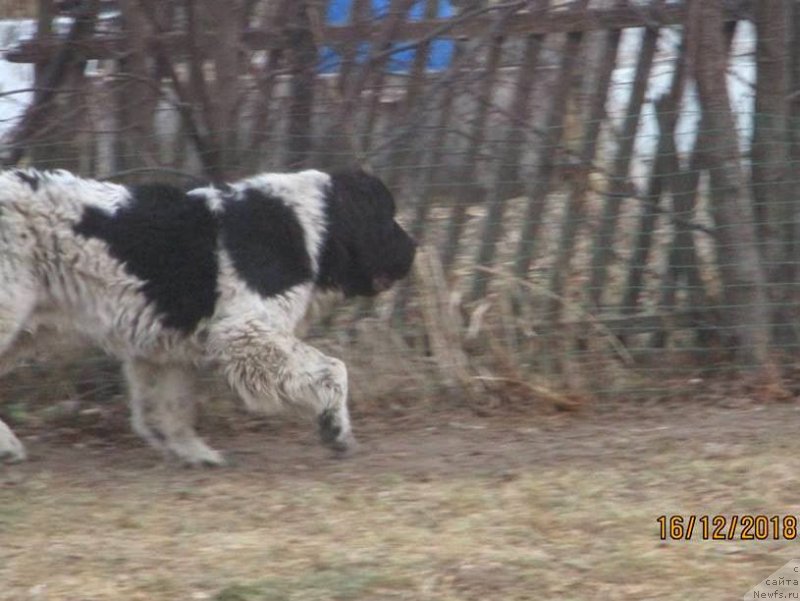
(172, 282)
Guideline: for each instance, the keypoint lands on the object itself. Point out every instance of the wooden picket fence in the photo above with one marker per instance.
(527, 195)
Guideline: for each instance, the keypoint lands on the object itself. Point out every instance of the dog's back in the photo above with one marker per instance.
(56, 269)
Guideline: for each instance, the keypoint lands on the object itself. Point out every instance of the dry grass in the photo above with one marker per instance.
(17, 9)
(440, 507)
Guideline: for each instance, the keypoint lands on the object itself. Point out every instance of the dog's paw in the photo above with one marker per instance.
(196, 453)
(11, 449)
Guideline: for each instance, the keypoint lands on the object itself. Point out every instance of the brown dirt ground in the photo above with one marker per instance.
(436, 505)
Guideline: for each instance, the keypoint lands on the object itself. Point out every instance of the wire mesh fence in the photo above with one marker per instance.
(561, 183)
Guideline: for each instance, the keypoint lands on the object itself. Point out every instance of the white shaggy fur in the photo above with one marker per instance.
(52, 279)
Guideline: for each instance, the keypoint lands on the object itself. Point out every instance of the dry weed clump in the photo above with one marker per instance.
(477, 353)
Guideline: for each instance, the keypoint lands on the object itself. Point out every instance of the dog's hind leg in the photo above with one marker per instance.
(21, 348)
(164, 401)
(15, 308)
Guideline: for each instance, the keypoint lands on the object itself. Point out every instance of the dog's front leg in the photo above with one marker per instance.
(273, 371)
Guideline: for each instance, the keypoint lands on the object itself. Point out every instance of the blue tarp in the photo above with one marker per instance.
(439, 56)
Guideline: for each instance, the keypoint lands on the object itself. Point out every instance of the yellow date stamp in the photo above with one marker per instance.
(727, 527)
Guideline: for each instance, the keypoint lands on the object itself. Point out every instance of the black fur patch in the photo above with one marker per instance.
(266, 242)
(364, 243)
(168, 240)
(29, 178)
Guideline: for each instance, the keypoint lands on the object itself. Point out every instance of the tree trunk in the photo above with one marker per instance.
(769, 159)
(579, 183)
(37, 124)
(603, 243)
(666, 108)
(739, 261)
(303, 59)
(469, 191)
(136, 95)
(226, 20)
(793, 200)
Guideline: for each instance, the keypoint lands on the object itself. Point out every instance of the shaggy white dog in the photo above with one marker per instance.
(173, 282)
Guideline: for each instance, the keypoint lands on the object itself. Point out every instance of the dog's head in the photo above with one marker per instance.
(366, 250)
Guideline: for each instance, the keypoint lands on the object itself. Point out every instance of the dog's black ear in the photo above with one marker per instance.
(360, 191)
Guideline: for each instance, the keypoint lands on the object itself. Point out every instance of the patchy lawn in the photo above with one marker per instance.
(443, 506)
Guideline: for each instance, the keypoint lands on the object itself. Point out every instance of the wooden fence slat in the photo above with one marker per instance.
(399, 154)
(682, 265)
(794, 149)
(420, 64)
(774, 201)
(579, 184)
(431, 149)
(507, 172)
(397, 13)
(359, 21)
(602, 247)
(303, 58)
(351, 97)
(551, 137)
(264, 116)
(469, 192)
(666, 113)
